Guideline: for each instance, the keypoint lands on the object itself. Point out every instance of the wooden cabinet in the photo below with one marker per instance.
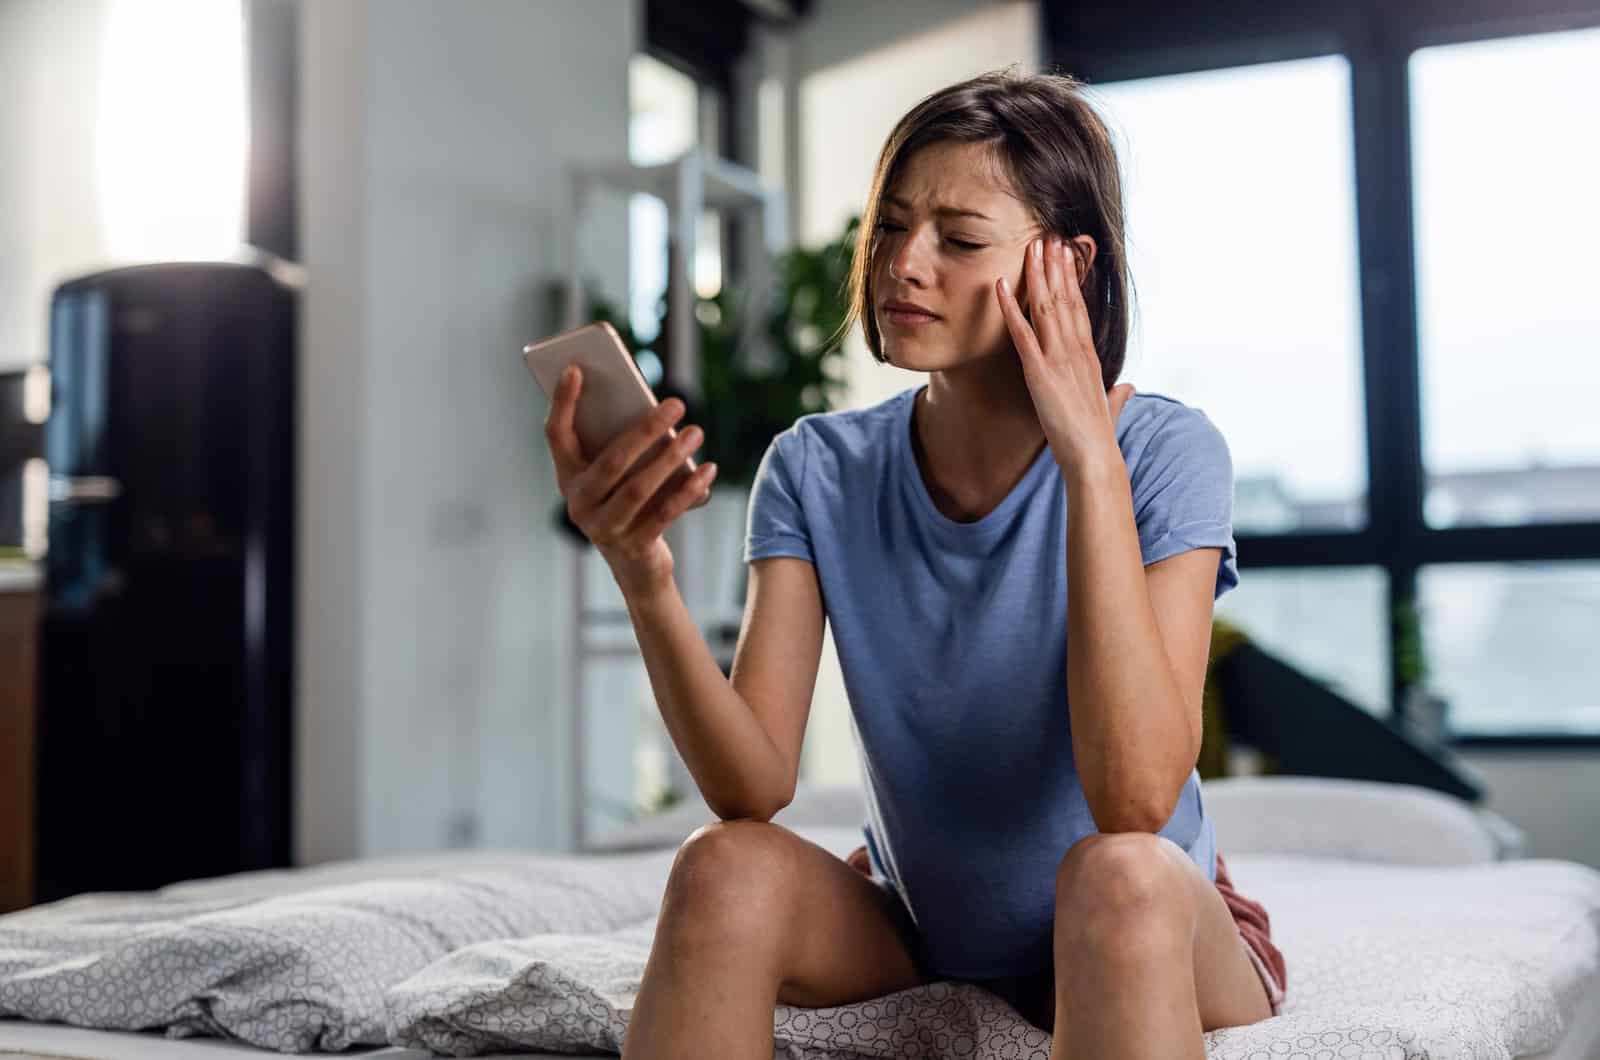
(19, 621)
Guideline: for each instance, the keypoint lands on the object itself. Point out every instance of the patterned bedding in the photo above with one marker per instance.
(472, 953)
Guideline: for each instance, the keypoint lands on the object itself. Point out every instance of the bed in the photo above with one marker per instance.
(1412, 930)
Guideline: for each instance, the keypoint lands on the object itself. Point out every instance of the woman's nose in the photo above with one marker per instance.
(906, 261)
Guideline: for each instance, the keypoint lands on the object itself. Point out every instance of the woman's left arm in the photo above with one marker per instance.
(1138, 638)
(1137, 643)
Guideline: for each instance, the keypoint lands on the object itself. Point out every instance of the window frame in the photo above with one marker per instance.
(1106, 40)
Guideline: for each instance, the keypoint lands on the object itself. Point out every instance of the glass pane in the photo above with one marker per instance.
(1329, 622)
(663, 123)
(1507, 226)
(1242, 244)
(663, 105)
(1511, 646)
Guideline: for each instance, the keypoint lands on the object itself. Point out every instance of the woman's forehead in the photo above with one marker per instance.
(954, 177)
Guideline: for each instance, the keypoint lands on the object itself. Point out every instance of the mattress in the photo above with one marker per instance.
(1411, 962)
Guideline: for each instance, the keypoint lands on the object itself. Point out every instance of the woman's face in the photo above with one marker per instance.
(947, 262)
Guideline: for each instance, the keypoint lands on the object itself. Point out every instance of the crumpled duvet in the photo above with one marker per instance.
(473, 953)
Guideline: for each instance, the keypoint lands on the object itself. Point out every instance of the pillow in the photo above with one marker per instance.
(1361, 820)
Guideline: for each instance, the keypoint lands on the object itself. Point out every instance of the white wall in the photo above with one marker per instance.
(1552, 795)
(49, 222)
(434, 592)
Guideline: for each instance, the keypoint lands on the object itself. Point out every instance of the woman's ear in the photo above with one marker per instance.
(1085, 251)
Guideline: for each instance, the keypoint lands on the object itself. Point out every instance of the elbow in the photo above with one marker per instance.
(752, 808)
(1130, 823)
(1129, 815)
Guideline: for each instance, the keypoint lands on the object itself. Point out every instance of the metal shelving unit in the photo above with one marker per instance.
(689, 185)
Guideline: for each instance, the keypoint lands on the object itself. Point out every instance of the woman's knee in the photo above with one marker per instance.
(731, 882)
(1118, 890)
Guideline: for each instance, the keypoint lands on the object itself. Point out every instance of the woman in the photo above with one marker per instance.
(1025, 686)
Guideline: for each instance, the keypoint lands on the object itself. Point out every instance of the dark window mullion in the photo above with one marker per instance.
(1533, 542)
(1380, 103)
(1309, 550)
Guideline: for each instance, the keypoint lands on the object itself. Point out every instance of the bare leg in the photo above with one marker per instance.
(754, 915)
(1147, 956)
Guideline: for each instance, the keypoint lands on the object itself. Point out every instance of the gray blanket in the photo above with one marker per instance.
(474, 953)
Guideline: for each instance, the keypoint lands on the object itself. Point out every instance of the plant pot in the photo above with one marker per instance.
(1426, 716)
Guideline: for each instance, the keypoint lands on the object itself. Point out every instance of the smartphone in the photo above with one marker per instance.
(614, 393)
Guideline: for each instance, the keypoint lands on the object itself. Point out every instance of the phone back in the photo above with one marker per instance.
(615, 393)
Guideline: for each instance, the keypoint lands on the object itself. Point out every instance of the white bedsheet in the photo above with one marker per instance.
(1481, 961)
(1477, 961)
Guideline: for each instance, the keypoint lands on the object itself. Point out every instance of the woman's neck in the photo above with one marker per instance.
(975, 434)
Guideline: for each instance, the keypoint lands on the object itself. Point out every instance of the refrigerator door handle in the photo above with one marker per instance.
(84, 489)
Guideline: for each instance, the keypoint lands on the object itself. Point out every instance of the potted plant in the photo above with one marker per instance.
(742, 405)
(1426, 714)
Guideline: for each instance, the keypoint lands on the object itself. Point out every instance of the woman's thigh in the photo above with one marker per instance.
(838, 936)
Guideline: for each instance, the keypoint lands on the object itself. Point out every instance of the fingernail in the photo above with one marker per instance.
(1038, 249)
(566, 373)
(1005, 288)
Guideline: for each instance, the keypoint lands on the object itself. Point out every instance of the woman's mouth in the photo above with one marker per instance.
(906, 318)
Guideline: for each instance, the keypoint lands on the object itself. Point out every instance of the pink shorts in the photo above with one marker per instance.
(1255, 927)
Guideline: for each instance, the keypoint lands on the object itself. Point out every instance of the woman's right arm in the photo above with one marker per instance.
(745, 763)
(740, 735)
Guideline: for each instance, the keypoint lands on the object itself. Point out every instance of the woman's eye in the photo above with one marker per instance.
(889, 226)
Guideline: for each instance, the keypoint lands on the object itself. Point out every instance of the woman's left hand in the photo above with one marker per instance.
(1059, 363)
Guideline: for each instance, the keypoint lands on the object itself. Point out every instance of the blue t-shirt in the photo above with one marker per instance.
(951, 638)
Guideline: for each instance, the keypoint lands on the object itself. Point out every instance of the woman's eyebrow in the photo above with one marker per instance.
(952, 211)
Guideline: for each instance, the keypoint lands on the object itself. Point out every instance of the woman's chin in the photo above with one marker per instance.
(911, 354)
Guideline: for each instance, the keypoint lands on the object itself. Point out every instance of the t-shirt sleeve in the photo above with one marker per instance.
(776, 522)
(1183, 493)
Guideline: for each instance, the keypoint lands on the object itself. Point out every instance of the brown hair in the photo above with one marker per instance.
(1056, 152)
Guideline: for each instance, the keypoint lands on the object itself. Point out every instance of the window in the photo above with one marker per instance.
(1507, 229)
(1469, 390)
(1329, 622)
(1242, 247)
(1511, 645)
(663, 122)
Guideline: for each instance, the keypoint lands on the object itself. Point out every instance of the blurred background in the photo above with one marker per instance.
(286, 576)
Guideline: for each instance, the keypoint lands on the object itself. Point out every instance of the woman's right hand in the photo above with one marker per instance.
(621, 508)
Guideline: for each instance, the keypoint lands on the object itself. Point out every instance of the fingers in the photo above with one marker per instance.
(558, 431)
(1072, 293)
(1120, 395)
(1051, 301)
(597, 481)
(655, 521)
(1022, 335)
(624, 505)
(1041, 297)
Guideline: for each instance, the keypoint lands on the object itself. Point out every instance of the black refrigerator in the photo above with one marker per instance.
(166, 639)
